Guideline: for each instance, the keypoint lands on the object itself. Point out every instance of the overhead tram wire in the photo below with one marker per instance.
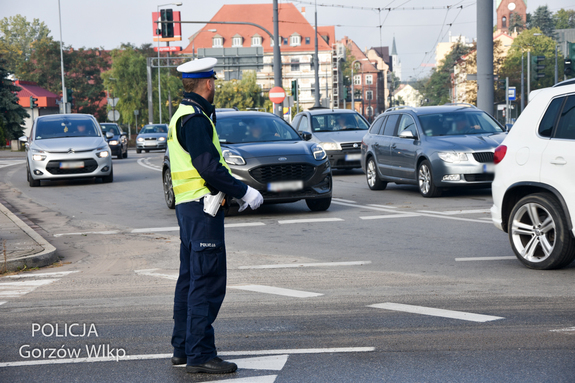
(386, 8)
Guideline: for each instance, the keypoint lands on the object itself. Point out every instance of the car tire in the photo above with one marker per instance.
(168, 189)
(318, 204)
(126, 154)
(425, 180)
(138, 150)
(109, 178)
(372, 176)
(539, 233)
(147, 150)
(31, 181)
(120, 154)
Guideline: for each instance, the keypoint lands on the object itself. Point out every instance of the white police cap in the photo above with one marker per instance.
(199, 68)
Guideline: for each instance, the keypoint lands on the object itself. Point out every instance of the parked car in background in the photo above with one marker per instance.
(118, 142)
(433, 147)
(266, 153)
(152, 137)
(338, 131)
(534, 186)
(65, 146)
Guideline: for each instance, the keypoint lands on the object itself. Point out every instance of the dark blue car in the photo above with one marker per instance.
(118, 143)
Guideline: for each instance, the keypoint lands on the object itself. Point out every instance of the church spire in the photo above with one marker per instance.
(393, 48)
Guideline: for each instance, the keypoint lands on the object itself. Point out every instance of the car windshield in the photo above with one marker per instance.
(458, 123)
(239, 129)
(337, 121)
(110, 128)
(65, 127)
(150, 129)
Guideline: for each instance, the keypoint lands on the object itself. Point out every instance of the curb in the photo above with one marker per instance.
(44, 258)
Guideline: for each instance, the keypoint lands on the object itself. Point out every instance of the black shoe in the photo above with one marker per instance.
(176, 360)
(214, 366)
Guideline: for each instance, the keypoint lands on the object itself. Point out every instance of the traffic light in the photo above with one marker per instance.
(569, 63)
(536, 68)
(294, 89)
(69, 95)
(501, 83)
(345, 92)
(33, 102)
(167, 28)
(567, 67)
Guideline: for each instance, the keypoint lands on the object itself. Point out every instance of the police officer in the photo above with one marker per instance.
(198, 169)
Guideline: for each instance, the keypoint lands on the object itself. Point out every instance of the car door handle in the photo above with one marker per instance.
(393, 146)
(559, 161)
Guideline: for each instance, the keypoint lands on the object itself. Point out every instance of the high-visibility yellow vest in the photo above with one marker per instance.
(187, 183)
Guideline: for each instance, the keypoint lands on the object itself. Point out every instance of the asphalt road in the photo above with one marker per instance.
(384, 286)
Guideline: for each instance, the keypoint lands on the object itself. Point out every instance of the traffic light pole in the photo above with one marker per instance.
(528, 74)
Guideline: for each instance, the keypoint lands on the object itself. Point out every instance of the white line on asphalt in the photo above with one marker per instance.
(407, 215)
(435, 312)
(455, 212)
(570, 329)
(146, 163)
(2, 302)
(151, 273)
(168, 356)
(375, 205)
(251, 379)
(310, 220)
(17, 289)
(364, 206)
(156, 229)
(295, 265)
(244, 224)
(275, 362)
(6, 163)
(342, 200)
(485, 259)
(88, 232)
(42, 275)
(276, 291)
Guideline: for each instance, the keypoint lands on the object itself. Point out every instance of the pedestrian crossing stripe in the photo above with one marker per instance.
(436, 312)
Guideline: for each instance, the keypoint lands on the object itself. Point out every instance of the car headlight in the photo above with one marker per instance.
(103, 154)
(330, 145)
(453, 157)
(38, 155)
(162, 139)
(318, 152)
(113, 142)
(233, 158)
(140, 139)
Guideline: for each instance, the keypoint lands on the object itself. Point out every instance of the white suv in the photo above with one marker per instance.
(534, 185)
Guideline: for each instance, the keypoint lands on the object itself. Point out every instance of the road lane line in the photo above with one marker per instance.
(295, 265)
(342, 200)
(309, 220)
(275, 363)
(2, 302)
(384, 206)
(406, 215)
(570, 329)
(88, 232)
(151, 273)
(17, 289)
(43, 275)
(145, 163)
(456, 212)
(251, 379)
(436, 312)
(244, 224)
(168, 356)
(155, 229)
(276, 291)
(485, 259)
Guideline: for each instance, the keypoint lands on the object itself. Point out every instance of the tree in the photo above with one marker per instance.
(17, 36)
(241, 94)
(543, 19)
(13, 114)
(564, 19)
(516, 22)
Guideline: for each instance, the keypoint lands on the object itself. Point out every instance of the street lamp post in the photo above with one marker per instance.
(64, 95)
(159, 64)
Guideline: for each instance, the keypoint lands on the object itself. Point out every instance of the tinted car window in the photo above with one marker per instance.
(390, 124)
(548, 121)
(407, 123)
(304, 124)
(153, 129)
(458, 123)
(566, 125)
(110, 128)
(338, 121)
(238, 129)
(376, 126)
(65, 127)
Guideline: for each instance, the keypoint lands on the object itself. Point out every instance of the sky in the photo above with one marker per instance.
(109, 23)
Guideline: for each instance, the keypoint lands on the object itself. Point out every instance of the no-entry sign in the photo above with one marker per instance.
(277, 95)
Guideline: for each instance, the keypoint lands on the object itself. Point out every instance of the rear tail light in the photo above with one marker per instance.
(500, 152)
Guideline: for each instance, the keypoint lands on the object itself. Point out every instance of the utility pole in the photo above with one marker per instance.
(316, 64)
(485, 95)
(278, 108)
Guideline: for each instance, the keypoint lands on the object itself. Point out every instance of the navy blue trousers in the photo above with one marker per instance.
(201, 285)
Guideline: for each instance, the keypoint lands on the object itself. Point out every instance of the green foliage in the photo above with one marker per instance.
(17, 36)
(13, 114)
(564, 19)
(543, 19)
(241, 94)
(516, 22)
(345, 67)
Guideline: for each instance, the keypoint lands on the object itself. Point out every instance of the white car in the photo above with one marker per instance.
(534, 185)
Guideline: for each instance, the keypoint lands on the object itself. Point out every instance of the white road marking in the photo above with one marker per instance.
(385, 206)
(276, 291)
(342, 200)
(484, 259)
(252, 379)
(407, 215)
(455, 212)
(17, 289)
(244, 224)
(145, 162)
(168, 356)
(436, 312)
(156, 229)
(2, 302)
(570, 329)
(151, 273)
(295, 265)
(88, 232)
(6, 163)
(43, 275)
(275, 363)
(309, 220)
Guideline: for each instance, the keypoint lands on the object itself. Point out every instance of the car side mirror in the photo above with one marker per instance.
(23, 139)
(305, 135)
(406, 134)
(109, 135)
(124, 134)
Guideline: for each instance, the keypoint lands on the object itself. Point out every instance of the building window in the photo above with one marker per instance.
(285, 41)
(256, 41)
(368, 79)
(295, 40)
(357, 79)
(369, 95)
(307, 41)
(237, 41)
(295, 65)
(217, 42)
(504, 22)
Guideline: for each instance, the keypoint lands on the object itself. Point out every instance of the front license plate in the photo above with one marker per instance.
(285, 186)
(488, 168)
(353, 157)
(72, 165)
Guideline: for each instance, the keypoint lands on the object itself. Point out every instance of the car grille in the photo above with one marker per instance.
(485, 157)
(483, 177)
(349, 146)
(150, 138)
(53, 167)
(287, 172)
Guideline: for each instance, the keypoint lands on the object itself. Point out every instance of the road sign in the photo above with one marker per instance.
(512, 95)
(113, 115)
(113, 102)
(277, 95)
(168, 49)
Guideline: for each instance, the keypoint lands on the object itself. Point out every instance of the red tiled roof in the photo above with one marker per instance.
(367, 66)
(290, 21)
(31, 89)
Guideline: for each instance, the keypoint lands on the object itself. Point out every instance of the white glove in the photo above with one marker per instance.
(252, 198)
